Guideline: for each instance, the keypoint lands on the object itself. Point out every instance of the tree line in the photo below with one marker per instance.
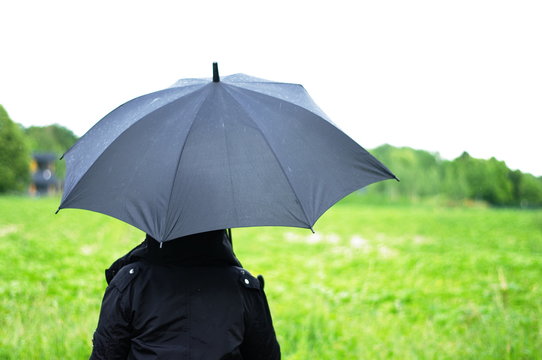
(424, 174)
(17, 144)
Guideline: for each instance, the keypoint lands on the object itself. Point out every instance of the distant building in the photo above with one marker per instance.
(44, 181)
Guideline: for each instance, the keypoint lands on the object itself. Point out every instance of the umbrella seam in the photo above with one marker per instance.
(74, 188)
(325, 116)
(225, 80)
(312, 112)
(257, 80)
(274, 155)
(177, 167)
(230, 175)
(116, 138)
(129, 101)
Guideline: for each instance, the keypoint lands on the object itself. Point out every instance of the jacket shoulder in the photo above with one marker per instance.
(125, 276)
(246, 279)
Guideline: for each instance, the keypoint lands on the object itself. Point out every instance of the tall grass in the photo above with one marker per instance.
(374, 282)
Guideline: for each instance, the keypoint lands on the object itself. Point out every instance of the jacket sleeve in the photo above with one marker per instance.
(111, 340)
(260, 342)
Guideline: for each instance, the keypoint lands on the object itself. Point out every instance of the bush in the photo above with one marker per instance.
(54, 139)
(14, 155)
(426, 175)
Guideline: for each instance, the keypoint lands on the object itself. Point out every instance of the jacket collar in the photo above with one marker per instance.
(208, 248)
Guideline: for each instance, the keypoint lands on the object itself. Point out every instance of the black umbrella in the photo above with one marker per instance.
(215, 154)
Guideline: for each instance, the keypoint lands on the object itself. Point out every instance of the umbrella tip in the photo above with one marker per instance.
(216, 78)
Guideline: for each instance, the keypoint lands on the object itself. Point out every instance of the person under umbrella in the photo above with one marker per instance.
(187, 299)
(200, 156)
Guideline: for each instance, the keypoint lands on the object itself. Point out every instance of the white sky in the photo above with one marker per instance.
(443, 76)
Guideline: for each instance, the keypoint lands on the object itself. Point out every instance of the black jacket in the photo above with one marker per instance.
(190, 299)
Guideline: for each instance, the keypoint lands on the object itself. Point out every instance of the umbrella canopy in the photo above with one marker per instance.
(214, 154)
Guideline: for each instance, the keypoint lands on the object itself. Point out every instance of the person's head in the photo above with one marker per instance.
(212, 247)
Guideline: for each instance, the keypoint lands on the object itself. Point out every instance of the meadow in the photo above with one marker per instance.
(376, 281)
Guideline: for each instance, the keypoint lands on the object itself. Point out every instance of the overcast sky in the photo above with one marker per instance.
(443, 76)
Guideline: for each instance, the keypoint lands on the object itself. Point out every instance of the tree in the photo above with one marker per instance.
(487, 180)
(51, 139)
(424, 174)
(527, 189)
(418, 170)
(14, 155)
(454, 181)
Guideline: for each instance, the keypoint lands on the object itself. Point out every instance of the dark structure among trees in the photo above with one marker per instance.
(44, 181)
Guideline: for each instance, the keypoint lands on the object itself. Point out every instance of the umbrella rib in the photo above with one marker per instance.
(256, 80)
(117, 137)
(322, 114)
(230, 175)
(171, 89)
(260, 82)
(274, 155)
(178, 165)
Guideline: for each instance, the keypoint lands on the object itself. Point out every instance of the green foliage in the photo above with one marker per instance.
(14, 155)
(487, 180)
(418, 171)
(375, 281)
(530, 190)
(454, 181)
(51, 139)
(425, 175)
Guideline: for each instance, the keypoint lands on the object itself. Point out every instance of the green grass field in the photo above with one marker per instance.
(374, 282)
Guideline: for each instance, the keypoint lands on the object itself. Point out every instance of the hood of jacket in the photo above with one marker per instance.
(211, 248)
